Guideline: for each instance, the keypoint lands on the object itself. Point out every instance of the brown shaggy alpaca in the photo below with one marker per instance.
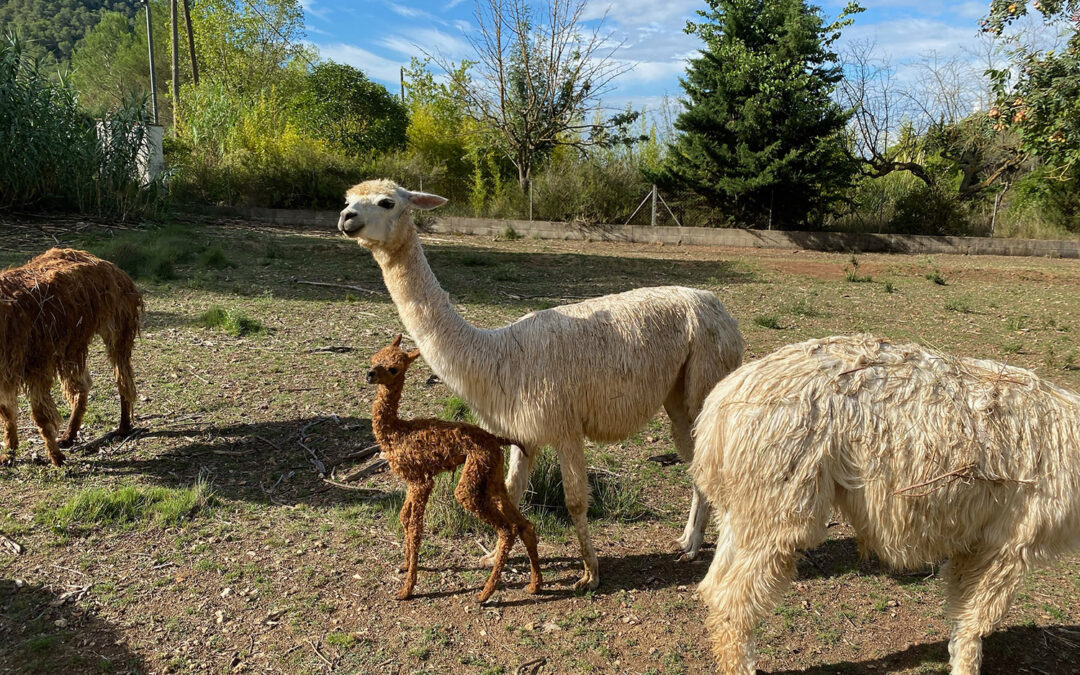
(50, 310)
(419, 450)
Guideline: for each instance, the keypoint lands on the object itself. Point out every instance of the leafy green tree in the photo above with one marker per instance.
(1039, 93)
(248, 45)
(761, 138)
(110, 64)
(50, 29)
(356, 116)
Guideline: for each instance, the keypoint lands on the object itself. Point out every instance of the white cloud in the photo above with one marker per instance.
(906, 39)
(373, 65)
(431, 40)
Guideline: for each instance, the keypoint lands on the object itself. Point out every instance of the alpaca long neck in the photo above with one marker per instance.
(384, 414)
(451, 346)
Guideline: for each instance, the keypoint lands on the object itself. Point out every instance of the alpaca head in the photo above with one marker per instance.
(377, 212)
(389, 364)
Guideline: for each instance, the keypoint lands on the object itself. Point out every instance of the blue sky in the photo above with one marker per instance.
(378, 36)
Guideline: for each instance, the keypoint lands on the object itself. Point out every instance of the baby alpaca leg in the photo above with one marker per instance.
(404, 516)
(524, 529)
(8, 410)
(473, 492)
(418, 495)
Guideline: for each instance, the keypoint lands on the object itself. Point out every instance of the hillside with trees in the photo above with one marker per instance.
(776, 125)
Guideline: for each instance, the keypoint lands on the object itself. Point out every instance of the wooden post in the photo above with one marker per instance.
(191, 42)
(150, 47)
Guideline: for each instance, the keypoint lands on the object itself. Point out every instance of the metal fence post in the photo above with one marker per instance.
(652, 220)
(530, 200)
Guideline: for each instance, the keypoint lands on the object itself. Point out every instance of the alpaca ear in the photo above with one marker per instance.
(397, 340)
(425, 201)
(413, 355)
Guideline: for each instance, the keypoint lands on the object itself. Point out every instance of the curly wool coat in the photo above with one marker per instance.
(50, 310)
(418, 450)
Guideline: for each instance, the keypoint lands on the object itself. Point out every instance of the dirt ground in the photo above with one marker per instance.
(283, 571)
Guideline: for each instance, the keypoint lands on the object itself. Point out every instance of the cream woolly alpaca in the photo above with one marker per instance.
(597, 369)
(927, 456)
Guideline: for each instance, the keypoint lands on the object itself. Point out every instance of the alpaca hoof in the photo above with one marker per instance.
(65, 441)
(533, 588)
(687, 556)
(488, 560)
(483, 597)
(404, 594)
(587, 582)
(57, 459)
(7, 460)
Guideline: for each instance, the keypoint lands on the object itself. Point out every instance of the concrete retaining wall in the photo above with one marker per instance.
(696, 236)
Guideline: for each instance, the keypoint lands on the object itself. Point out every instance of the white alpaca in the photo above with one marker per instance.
(927, 456)
(597, 369)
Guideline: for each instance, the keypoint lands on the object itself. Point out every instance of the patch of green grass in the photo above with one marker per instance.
(888, 287)
(959, 305)
(935, 277)
(233, 322)
(455, 409)
(802, 307)
(129, 505)
(510, 234)
(341, 640)
(154, 253)
(768, 321)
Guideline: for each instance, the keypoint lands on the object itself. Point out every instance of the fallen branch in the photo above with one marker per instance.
(378, 466)
(531, 667)
(15, 546)
(347, 286)
(319, 654)
(271, 444)
(315, 461)
(362, 454)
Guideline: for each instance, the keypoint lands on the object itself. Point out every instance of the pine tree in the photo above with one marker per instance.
(761, 138)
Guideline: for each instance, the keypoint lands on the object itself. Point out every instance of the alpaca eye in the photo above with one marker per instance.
(393, 371)
(386, 203)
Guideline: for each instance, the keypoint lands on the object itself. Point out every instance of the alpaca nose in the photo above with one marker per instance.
(371, 377)
(347, 221)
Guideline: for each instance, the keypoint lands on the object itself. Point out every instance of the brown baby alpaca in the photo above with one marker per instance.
(50, 310)
(418, 450)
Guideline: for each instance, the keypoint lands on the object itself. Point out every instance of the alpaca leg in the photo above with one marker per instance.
(76, 389)
(741, 586)
(8, 411)
(476, 490)
(118, 346)
(693, 534)
(576, 491)
(522, 461)
(404, 516)
(414, 532)
(527, 532)
(981, 587)
(502, 553)
(47, 418)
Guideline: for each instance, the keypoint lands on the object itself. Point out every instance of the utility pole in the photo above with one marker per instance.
(175, 64)
(191, 42)
(150, 46)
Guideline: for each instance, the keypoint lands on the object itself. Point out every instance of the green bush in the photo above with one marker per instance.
(57, 156)
(233, 322)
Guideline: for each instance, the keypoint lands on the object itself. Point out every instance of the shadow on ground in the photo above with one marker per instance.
(1010, 651)
(41, 631)
(262, 462)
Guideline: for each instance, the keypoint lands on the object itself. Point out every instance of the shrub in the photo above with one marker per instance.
(57, 156)
(230, 321)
